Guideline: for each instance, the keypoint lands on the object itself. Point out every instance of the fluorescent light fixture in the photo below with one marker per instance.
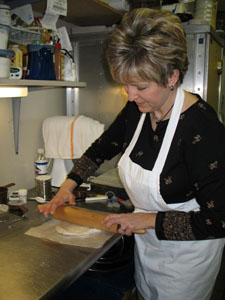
(11, 92)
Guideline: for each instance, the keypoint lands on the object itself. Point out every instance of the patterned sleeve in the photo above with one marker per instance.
(108, 145)
(204, 153)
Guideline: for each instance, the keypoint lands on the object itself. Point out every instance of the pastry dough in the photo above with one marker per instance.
(66, 228)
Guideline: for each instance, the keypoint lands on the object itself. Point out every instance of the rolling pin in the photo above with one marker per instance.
(84, 217)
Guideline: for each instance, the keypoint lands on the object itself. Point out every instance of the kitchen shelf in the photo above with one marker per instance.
(32, 84)
(41, 83)
(85, 12)
(79, 12)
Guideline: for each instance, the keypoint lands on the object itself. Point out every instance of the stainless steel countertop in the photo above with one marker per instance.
(32, 268)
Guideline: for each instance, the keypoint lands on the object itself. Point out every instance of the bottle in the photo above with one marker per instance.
(58, 61)
(62, 65)
(41, 163)
(17, 60)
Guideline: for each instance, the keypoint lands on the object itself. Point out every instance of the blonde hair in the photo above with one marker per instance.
(148, 45)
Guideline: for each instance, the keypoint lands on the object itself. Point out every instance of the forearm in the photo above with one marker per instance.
(84, 168)
(174, 225)
(130, 222)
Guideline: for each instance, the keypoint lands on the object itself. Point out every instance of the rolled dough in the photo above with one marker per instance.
(66, 228)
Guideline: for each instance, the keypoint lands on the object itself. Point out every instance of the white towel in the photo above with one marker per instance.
(69, 137)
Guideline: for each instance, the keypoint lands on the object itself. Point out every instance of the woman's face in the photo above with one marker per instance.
(149, 96)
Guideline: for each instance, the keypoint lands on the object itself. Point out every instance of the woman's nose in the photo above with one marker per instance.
(131, 92)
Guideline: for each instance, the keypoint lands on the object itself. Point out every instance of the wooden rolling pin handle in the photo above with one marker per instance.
(139, 231)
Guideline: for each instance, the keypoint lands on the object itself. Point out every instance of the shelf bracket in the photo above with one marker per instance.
(16, 103)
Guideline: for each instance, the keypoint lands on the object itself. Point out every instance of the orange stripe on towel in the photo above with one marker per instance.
(71, 137)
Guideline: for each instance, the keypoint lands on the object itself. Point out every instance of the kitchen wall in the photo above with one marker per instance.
(34, 109)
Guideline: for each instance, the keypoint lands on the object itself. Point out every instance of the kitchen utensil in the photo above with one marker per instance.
(4, 193)
(43, 186)
(15, 73)
(85, 217)
(38, 199)
(81, 193)
(97, 198)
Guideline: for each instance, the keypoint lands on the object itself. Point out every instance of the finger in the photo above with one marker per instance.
(107, 219)
(53, 207)
(72, 201)
(43, 208)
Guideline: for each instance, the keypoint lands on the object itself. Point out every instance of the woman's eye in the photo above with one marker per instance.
(141, 88)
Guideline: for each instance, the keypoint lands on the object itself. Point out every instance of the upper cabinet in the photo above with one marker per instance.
(79, 12)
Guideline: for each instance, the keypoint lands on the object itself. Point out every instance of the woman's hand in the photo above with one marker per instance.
(130, 222)
(64, 194)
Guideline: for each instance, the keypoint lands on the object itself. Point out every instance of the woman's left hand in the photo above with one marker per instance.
(130, 222)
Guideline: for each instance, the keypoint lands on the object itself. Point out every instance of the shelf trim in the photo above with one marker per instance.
(41, 83)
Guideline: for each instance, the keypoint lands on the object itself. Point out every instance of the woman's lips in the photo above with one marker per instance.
(140, 104)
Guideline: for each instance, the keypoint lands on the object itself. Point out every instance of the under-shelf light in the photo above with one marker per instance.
(11, 92)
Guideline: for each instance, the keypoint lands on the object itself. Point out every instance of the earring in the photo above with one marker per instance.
(171, 87)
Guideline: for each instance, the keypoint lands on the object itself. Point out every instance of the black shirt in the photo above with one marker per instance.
(194, 168)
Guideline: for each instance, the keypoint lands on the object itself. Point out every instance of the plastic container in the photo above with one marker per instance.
(189, 6)
(17, 60)
(5, 14)
(5, 61)
(23, 195)
(40, 62)
(205, 11)
(57, 61)
(69, 68)
(4, 35)
(41, 163)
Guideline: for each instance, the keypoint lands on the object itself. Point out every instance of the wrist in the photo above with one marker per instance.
(150, 220)
(69, 184)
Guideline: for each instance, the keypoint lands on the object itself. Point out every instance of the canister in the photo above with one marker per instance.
(23, 195)
(43, 186)
(5, 61)
(40, 62)
(4, 35)
(5, 14)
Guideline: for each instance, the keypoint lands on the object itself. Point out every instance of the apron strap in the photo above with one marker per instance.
(170, 131)
(136, 134)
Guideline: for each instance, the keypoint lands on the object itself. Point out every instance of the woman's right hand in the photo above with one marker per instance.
(64, 194)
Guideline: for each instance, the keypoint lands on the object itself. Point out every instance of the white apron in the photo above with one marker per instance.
(167, 270)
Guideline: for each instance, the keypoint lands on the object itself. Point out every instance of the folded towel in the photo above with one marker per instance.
(69, 137)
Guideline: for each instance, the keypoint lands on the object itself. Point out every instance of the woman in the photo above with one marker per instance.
(172, 164)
